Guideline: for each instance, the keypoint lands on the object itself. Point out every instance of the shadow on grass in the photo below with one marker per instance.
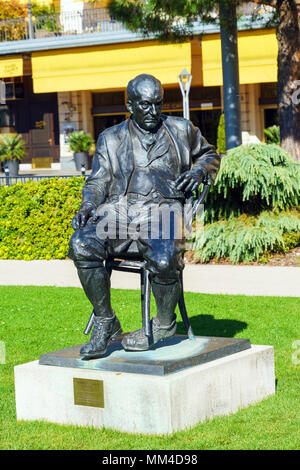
(207, 325)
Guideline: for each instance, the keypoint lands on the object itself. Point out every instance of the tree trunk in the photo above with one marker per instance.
(230, 68)
(288, 36)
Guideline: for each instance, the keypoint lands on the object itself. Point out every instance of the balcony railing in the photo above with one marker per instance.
(95, 20)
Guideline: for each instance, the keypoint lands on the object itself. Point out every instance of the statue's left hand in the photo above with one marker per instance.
(189, 180)
(85, 212)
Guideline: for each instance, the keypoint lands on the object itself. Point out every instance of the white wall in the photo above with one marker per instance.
(250, 114)
(74, 109)
(70, 18)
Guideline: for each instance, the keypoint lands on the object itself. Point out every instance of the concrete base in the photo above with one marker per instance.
(147, 404)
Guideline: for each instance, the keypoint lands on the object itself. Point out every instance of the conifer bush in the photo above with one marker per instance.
(248, 238)
(254, 178)
(251, 210)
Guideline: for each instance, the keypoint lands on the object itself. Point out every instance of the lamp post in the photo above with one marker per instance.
(185, 79)
(30, 20)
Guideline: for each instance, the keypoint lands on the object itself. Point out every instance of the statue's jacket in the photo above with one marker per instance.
(113, 163)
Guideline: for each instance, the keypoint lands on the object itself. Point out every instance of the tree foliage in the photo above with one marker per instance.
(173, 19)
(11, 9)
(15, 9)
(166, 19)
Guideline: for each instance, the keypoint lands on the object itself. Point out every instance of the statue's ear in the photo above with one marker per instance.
(129, 106)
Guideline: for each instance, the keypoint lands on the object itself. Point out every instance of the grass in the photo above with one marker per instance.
(36, 320)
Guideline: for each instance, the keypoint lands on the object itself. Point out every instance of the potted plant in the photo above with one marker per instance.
(80, 143)
(12, 150)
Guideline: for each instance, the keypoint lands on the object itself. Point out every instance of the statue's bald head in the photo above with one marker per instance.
(142, 82)
(145, 100)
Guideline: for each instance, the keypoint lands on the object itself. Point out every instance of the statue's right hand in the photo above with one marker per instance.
(82, 216)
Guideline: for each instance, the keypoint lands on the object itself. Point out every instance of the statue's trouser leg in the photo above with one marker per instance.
(163, 252)
(88, 254)
(164, 261)
(166, 294)
(96, 285)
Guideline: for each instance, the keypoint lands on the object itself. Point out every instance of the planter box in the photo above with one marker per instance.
(81, 159)
(13, 167)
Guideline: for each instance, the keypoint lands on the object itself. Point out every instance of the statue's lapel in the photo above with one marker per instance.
(160, 147)
(124, 152)
(181, 150)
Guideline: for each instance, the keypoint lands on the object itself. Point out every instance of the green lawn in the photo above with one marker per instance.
(37, 320)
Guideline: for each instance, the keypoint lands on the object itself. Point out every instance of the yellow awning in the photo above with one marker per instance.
(11, 66)
(109, 66)
(257, 57)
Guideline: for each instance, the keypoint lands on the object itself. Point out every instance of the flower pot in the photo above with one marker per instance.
(81, 159)
(13, 167)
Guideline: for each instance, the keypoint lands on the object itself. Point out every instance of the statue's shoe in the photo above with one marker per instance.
(138, 341)
(104, 331)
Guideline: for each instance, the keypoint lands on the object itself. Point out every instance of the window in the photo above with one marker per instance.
(6, 117)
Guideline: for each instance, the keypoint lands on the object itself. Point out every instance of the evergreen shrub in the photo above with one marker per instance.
(35, 218)
(254, 178)
(248, 238)
(251, 210)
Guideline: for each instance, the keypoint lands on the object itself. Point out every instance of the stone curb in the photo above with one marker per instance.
(210, 279)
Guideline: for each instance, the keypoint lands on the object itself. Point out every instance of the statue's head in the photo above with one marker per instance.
(144, 100)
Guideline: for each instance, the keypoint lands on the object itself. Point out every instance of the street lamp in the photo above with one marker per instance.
(31, 35)
(185, 79)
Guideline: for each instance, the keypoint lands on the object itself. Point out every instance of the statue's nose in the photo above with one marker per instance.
(154, 109)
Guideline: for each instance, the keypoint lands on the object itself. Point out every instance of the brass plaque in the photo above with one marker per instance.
(88, 392)
(42, 162)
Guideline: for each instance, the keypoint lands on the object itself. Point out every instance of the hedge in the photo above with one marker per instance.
(35, 218)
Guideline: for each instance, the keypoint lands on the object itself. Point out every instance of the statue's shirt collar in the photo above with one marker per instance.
(146, 138)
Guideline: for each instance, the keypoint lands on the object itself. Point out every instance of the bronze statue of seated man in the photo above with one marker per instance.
(148, 160)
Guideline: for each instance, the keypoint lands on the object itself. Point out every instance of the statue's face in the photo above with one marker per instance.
(147, 106)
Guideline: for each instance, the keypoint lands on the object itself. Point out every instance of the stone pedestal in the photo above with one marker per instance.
(143, 402)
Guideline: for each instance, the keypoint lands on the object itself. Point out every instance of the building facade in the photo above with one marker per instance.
(71, 72)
